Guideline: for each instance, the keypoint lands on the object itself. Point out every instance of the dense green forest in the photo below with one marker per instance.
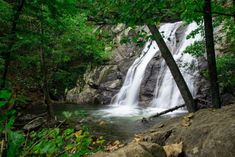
(46, 47)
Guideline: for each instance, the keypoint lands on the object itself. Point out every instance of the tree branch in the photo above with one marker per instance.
(217, 13)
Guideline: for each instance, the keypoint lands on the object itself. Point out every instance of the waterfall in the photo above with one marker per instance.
(166, 95)
(129, 93)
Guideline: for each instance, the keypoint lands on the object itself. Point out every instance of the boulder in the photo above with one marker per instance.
(34, 124)
(86, 96)
(210, 132)
(134, 149)
(227, 99)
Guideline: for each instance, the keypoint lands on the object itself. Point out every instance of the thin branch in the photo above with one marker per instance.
(217, 13)
(2, 148)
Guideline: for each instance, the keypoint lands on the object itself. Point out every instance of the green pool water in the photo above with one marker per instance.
(116, 127)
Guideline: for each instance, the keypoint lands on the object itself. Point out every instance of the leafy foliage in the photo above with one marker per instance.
(47, 141)
(119, 11)
(196, 49)
(54, 142)
(7, 119)
(226, 71)
(70, 42)
(78, 114)
(15, 140)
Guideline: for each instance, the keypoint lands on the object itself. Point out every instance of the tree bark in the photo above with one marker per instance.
(234, 10)
(7, 55)
(167, 111)
(47, 99)
(166, 54)
(210, 50)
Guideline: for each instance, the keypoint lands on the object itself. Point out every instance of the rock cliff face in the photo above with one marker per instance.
(103, 82)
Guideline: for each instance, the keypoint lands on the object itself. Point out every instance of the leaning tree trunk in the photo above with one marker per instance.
(210, 50)
(166, 54)
(7, 55)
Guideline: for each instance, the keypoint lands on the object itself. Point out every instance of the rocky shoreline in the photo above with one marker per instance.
(206, 133)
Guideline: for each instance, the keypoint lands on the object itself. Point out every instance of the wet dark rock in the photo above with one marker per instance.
(78, 127)
(34, 124)
(144, 120)
(227, 99)
(26, 117)
(149, 82)
(125, 64)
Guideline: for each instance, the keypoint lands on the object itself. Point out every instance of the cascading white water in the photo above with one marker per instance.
(129, 93)
(126, 101)
(166, 93)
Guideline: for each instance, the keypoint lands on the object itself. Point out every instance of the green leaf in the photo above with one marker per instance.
(15, 140)
(5, 94)
(3, 103)
(68, 132)
(196, 49)
(10, 122)
(67, 114)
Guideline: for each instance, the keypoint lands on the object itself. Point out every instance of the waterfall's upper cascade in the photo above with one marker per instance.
(166, 95)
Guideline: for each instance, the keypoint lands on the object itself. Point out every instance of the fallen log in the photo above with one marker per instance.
(197, 100)
(167, 111)
(175, 108)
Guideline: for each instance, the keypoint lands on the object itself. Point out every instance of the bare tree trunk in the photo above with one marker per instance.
(166, 54)
(7, 55)
(210, 49)
(47, 99)
(234, 10)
